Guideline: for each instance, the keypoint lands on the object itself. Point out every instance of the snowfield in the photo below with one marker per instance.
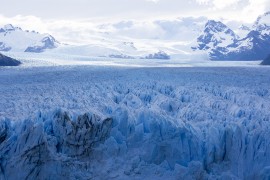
(126, 122)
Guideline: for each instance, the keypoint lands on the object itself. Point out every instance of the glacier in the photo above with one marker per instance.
(93, 122)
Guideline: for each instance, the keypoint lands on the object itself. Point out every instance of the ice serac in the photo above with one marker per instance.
(53, 147)
(58, 146)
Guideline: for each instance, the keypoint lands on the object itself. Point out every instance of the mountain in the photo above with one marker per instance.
(221, 43)
(157, 39)
(7, 61)
(215, 35)
(47, 42)
(17, 40)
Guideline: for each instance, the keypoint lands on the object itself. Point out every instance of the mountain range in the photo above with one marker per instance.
(180, 38)
(222, 43)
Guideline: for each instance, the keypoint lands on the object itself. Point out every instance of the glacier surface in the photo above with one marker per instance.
(90, 122)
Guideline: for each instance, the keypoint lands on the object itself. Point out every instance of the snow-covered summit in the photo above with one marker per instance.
(17, 40)
(48, 42)
(244, 28)
(217, 26)
(215, 34)
(8, 27)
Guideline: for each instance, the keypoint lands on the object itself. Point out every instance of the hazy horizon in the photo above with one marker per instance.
(65, 19)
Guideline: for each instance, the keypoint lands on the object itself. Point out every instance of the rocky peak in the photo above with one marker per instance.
(215, 26)
(244, 28)
(9, 27)
(215, 34)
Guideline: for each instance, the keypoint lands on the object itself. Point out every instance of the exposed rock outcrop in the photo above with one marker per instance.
(7, 61)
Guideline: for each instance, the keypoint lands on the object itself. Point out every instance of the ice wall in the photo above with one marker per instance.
(60, 146)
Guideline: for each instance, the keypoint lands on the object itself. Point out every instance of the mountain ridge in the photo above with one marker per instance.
(217, 40)
(254, 46)
(15, 39)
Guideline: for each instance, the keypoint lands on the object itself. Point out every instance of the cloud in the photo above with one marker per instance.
(132, 9)
(25, 22)
(154, 1)
(250, 12)
(81, 20)
(218, 4)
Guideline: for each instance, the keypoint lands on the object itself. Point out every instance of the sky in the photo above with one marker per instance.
(55, 15)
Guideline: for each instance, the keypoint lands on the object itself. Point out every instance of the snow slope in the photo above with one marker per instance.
(125, 39)
(17, 40)
(85, 122)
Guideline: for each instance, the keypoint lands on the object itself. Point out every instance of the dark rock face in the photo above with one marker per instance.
(7, 61)
(47, 43)
(266, 61)
(158, 55)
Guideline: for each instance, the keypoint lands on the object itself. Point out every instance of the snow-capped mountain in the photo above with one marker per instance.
(157, 39)
(17, 40)
(215, 35)
(47, 42)
(181, 38)
(254, 46)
